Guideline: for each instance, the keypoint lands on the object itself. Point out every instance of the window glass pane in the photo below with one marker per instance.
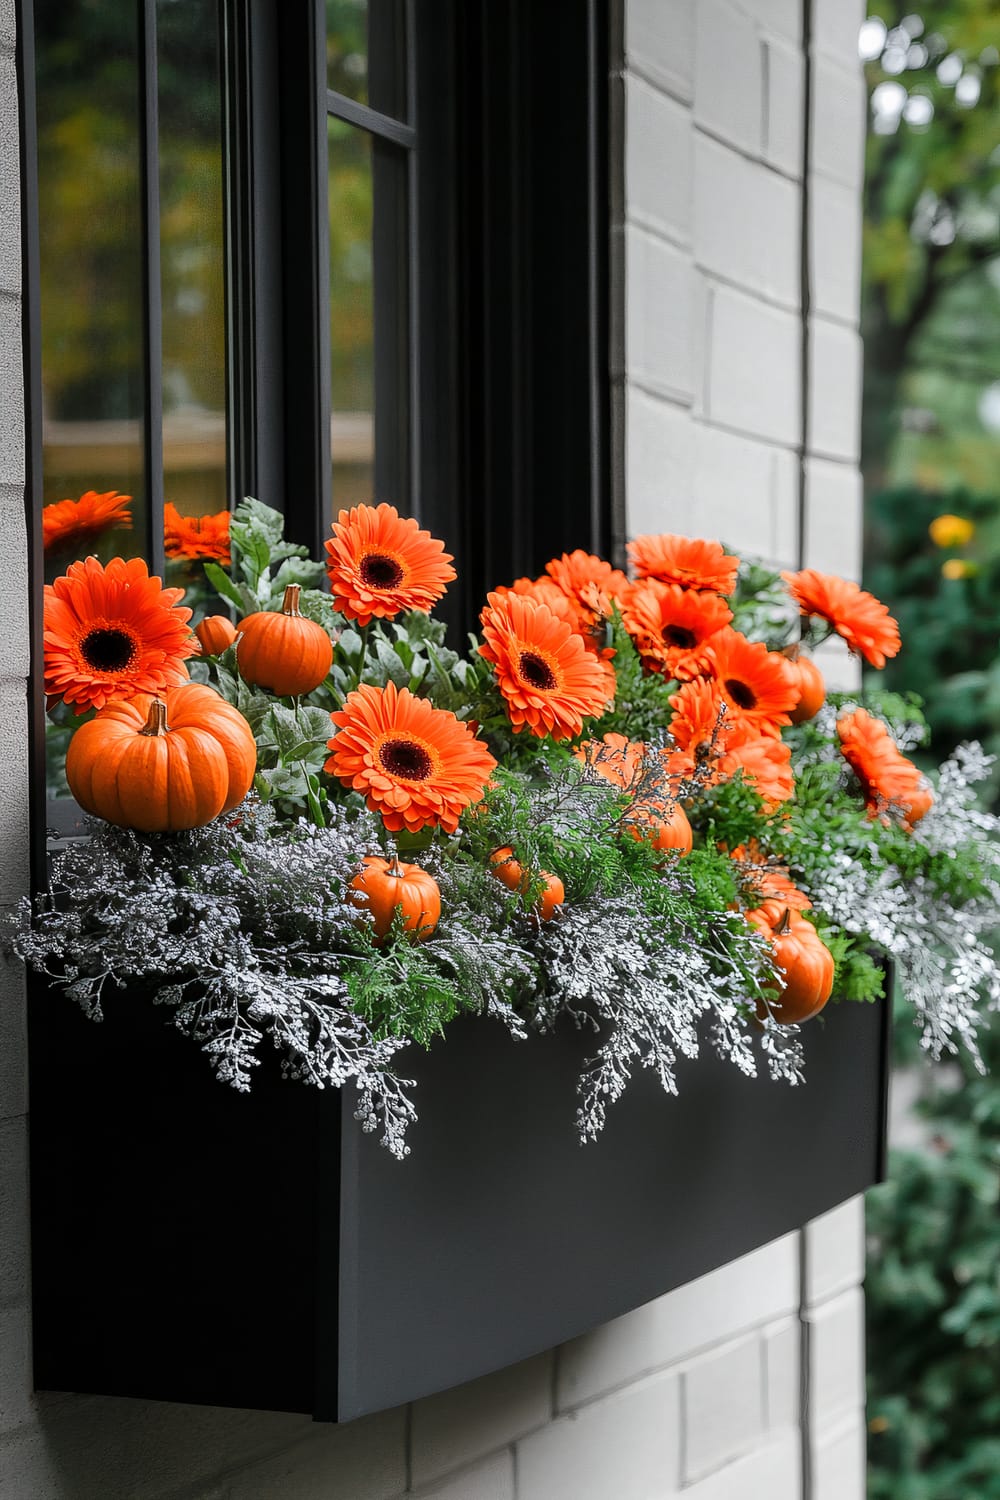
(369, 340)
(192, 261)
(91, 251)
(364, 53)
(352, 323)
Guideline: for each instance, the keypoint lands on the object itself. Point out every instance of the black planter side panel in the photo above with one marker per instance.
(501, 1236)
(174, 1220)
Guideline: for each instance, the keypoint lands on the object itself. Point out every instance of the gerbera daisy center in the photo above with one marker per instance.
(741, 694)
(536, 671)
(679, 636)
(379, 570)
(406, 759)
(108, 650)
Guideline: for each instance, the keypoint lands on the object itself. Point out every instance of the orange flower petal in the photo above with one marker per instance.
(688, 561)
(863, 621)
(888, 779)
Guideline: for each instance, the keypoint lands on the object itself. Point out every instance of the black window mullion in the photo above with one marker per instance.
(306, 271)
(31, 326)
(254, 214)
(242, 401)
(412, 353)
(390, 285)
(599, 230)
(435, 291)
(152, 300)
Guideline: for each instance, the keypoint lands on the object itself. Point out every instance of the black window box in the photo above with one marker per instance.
(194, 1244)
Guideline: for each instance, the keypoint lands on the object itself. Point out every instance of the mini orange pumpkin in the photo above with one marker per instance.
(381, 885)
(811, 685)
(667, 831)
(216, 633)
(507, 870)
(163, 764)
(283, 651)
(804, 960)
(552, 897)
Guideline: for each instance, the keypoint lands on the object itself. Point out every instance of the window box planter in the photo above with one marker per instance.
(194, 1244)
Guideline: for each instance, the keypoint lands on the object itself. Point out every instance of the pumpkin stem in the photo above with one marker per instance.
(793, 652)
(785, 925)
(290, 603)
(395, 869)
(156, 720)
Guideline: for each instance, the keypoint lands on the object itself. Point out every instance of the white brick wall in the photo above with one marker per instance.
(701, 1392)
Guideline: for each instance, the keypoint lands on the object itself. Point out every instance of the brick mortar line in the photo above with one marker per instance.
(636, 67)
(768, 299)
(636, 219)
(679, 1365)
(501, 1446)
(754, 157)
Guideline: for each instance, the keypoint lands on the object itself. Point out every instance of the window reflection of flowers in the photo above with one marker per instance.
(74, 525)
(196, 537)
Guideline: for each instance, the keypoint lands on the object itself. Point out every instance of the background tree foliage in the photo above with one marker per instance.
(933, 176)
(931, 320)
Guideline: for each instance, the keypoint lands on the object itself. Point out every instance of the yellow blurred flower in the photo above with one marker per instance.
(957, 567)
(951, 531)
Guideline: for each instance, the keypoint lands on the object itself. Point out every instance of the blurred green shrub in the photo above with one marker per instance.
(947, 602)
(933, 1293)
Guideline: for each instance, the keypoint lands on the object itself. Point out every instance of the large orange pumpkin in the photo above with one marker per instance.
(811, 685)
(216, 633)
(512, 874)
(805, 962)
(163, 764)
(381, 885)
(283, 651)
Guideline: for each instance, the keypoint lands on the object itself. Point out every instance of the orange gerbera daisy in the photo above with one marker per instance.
(381, 563)
(113, 632)
(758, 685)
(769, 878)
(707, 730)
(692, 563)
(864, 621)
(196, 536)
(615, 758)
(766, 764)
(887, 778)
(415, 764)
(592, 584)
(544, 591)
(671, 625)
(702, 717)
(74, 524)
(550, 681)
